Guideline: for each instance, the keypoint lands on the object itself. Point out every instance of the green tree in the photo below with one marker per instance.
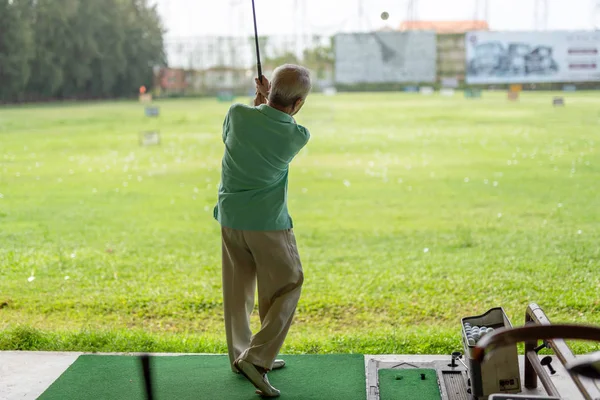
(319, 58)
(110, 62)
(53, 38)
(285, 57)
(78, 48)
(16, 49)
(143, 46)
(82, 49)
(263, 43)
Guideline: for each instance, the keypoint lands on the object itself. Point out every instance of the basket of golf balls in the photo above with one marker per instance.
(501, 367)
(474, 333)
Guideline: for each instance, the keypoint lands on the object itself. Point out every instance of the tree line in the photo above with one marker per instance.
(77, 49)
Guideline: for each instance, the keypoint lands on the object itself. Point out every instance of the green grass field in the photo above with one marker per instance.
(410, 211)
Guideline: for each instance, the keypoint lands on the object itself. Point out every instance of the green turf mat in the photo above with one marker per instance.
(406, 384)
(209, 377)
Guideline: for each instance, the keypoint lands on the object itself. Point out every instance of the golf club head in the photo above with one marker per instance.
(588, 366)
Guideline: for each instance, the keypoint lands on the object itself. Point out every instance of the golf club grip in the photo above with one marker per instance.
(260, 72)
(147, 376)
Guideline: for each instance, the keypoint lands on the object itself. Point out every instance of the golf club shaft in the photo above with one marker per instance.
(256, 40)
(147, 376)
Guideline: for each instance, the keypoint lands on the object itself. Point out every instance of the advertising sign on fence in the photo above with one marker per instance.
(385, 57)
(533, 57)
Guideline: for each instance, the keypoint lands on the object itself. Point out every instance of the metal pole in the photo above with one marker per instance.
(531, 357)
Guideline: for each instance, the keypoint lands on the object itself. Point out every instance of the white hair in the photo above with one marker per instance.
(289, 84)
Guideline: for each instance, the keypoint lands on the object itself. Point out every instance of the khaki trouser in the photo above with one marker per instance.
(271, 259)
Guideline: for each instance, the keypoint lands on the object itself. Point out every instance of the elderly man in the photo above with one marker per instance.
(258, 242)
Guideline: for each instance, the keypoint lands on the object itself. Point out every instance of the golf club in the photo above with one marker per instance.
(257, 47)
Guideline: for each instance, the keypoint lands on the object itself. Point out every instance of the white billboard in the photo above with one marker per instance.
(533, 57)
(385, 57)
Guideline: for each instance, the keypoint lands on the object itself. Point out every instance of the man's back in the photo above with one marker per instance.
(260, 142)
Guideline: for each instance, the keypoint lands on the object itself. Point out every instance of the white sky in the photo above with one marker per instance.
(185, 18)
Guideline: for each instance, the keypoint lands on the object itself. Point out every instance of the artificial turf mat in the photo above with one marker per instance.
(305, 377)
(406, 384)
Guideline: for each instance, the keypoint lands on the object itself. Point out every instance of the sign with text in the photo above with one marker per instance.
(533, 57)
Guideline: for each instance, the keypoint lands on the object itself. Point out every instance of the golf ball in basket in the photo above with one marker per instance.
(471, 342)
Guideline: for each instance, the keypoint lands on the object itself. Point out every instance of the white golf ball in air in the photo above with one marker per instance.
(385, 15)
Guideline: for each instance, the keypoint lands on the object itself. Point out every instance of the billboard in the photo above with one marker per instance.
(533, 57)
(385, 57)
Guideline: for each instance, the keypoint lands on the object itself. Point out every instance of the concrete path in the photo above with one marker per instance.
(26, 375)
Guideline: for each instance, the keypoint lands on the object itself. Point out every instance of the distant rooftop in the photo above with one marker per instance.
(445, 26)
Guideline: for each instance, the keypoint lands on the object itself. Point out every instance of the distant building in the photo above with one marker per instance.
(171, 80)
(218, 79)
(209, 81)
(451, 56)
(445, 27)
(386, 28)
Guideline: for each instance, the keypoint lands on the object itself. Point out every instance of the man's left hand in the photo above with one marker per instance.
(263, 86)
